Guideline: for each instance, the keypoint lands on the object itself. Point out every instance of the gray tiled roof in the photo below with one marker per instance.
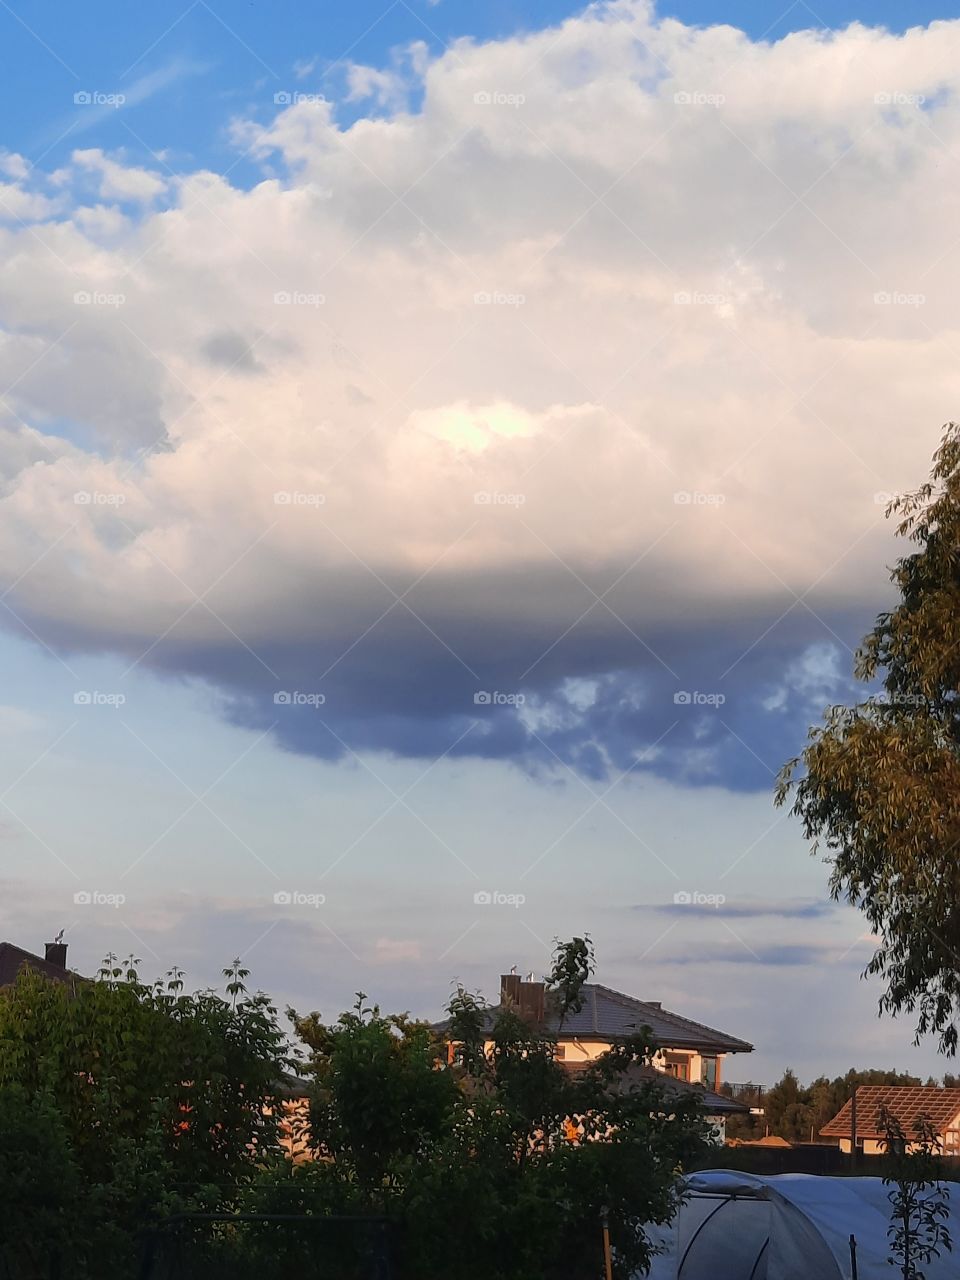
(609, 1014)
(13, 959)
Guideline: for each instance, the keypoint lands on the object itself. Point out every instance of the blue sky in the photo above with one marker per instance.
(444, 449)
(193, 66)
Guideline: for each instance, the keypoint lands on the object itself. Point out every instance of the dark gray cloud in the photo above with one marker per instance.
(746, 908)
(765, 955)
(728, 711)
(231, 350)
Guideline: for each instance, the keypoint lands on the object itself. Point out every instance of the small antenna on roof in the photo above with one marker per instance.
(513, 968)
(59, 937)
(529, 977)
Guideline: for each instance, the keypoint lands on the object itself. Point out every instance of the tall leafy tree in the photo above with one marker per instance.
(483, 1146)
(878, 786)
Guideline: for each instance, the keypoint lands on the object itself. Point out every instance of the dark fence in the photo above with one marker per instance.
(804, 1157)
(244, 1246)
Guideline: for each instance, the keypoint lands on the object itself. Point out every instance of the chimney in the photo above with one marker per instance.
(510, 989)
(56, 953)
(531, 1001)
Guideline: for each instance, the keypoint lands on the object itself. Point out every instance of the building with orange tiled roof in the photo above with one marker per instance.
(909, 1104)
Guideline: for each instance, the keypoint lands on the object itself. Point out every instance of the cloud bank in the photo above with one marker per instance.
(550, 419)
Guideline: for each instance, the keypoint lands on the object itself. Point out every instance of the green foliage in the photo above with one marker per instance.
(918, 1199)
(143, 1100)
(38, 1183)
(378, 1102)
(480, 1135)
(125, 1107)
(878, 786)
(573, 963)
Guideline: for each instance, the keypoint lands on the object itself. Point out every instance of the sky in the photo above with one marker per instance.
(444, 453)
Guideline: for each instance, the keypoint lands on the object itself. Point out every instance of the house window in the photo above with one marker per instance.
(708, 1072)
(677, 1065)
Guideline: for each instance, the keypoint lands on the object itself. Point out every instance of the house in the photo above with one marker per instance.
(908, 1103)
(689, 1052)
(53, 964)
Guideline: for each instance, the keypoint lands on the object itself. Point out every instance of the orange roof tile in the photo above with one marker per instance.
(907, 1102)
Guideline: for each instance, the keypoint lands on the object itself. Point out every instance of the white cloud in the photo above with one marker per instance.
(118, 181)
(699, 227)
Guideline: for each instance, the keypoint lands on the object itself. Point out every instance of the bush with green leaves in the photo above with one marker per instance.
(143, 1101)
(919, 1200)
